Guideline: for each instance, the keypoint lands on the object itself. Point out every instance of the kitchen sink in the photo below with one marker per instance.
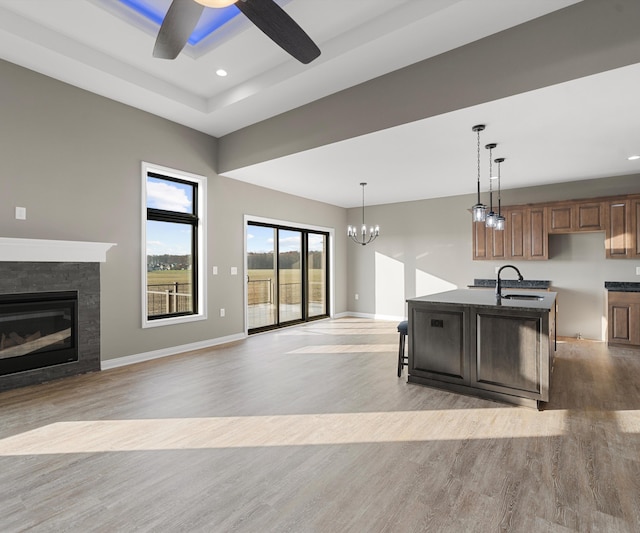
(523, 297)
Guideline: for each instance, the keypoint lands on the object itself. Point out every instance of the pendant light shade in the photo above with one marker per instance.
(479, 210)
(364, 236)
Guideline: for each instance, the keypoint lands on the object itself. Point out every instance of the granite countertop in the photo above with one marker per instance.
(513, 283)
(622, 286)
(487, 298)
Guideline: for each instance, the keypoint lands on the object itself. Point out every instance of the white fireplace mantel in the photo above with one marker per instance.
(42, 250)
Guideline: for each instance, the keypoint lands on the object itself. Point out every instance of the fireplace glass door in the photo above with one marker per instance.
(37, 330)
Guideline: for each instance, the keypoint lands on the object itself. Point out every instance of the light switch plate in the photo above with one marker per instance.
(637, 271)
(21, 213)
(215, 270)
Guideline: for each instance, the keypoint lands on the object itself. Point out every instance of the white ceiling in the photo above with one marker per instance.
(545, 135)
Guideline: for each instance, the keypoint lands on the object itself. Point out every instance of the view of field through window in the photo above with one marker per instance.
(275, 291)
(170, 231)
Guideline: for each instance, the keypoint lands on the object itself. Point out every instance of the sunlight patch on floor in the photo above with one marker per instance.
(346, 348)
(292, 430)
(360, 331)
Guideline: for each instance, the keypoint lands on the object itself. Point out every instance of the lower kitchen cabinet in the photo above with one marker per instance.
(624, 318)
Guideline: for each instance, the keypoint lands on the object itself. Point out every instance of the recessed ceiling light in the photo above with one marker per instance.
(221, 72)
(633, 157)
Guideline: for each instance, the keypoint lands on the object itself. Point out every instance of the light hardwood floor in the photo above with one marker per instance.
(309, 429)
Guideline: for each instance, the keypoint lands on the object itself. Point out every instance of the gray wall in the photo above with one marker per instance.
(425, 247)
(72, 159)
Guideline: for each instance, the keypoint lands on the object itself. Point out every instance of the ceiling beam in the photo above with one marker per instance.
(586, 38)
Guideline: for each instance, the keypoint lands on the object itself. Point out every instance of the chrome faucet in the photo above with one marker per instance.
(499, 281)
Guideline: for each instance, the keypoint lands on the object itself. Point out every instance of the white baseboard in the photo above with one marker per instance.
(165, 352)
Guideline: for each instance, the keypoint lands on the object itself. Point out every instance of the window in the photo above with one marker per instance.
(173, 233)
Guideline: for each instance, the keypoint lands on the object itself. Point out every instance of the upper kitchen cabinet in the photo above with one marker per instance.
(526, 233)
(527, 228)
(524, 236)
(623, 228)
(635, 227)
(574, 217)
(480, 248)
(487, 243)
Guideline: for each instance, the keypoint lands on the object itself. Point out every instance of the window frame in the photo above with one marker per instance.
(198, 221)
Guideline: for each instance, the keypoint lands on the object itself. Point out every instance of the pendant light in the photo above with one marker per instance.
(364, 237)
(500, 219)
(479, 210)
(491, 218)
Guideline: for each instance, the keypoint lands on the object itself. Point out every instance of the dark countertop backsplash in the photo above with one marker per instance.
(622, 286)
(512, 283)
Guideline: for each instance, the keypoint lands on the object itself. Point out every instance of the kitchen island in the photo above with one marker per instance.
(472, 342)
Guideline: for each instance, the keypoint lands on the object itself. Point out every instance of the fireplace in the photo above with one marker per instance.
(38, 330)
(64, 276)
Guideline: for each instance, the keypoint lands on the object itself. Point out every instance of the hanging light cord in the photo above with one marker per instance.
(490, 180)
(363, 184)
(478, 131)
(499, 190)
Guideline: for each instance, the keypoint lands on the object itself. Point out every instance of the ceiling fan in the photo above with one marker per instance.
(275, 23)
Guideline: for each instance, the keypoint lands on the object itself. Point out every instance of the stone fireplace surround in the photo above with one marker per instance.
(34, 265)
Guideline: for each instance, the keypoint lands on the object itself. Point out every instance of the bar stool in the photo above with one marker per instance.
(403, 360)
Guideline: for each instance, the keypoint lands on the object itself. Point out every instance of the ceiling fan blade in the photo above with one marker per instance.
(177, 26)
(280, 28)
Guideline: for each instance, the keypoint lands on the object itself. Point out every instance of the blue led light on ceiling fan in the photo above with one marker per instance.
(211, 20)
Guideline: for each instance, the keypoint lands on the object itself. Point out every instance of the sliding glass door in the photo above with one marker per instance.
(287, 277)
(290, 275)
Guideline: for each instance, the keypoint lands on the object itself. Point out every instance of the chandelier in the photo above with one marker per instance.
(364, 237)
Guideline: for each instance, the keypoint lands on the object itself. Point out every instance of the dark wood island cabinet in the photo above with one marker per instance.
(468, 341)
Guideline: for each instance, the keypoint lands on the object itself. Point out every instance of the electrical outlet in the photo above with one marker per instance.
(234, 271)
(222, 312)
